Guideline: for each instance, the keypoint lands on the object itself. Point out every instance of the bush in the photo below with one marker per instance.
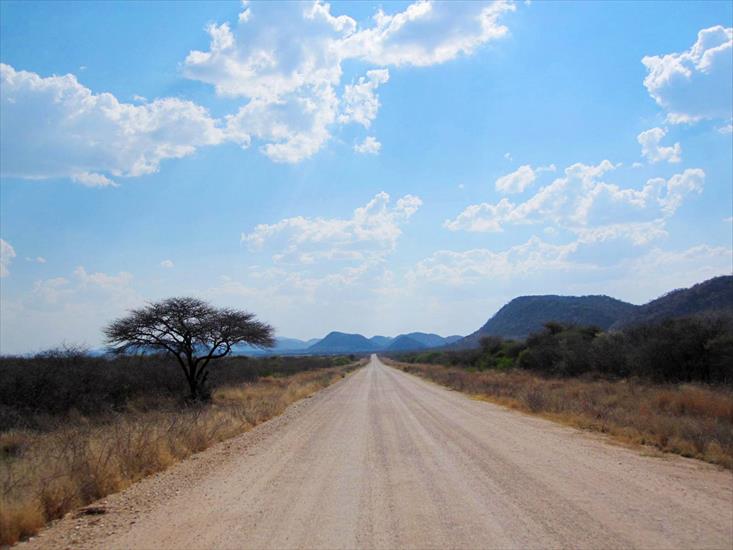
(692, 349)
(35, 392)
(683, 350)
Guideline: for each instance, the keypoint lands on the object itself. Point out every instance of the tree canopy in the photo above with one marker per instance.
(189, 329)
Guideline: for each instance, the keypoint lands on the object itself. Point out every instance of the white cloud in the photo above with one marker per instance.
(516, 181)
(7, 253)
(36, 260)
(65, 309)
(371, 232)
(292, 88)
(85, 135)
(167, 264)
(638, 233)
(103, 280)
(653, 151)
(695, 84)
(670, 269)
(427, 33)
(52, 290)
(293, 129)
(479, 265)
(481, 218)
(245, 14)
(92, 180)
(580, 201)
(727, 129)
(370, 145)
(359, 102)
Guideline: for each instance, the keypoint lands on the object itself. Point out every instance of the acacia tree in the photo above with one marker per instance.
(192, 331)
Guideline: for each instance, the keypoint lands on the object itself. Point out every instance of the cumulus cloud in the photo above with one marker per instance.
(370, 145)
(52, 290)
(639, 233)
(103, 280)
(7, 253)
(360, 102)
(371, 232)
(65, 308)
(293, 88)
(167, 264)
(56, 127)
(653, 151)
(581, 201)
(93, 180)
(695, 84)
(427, 33)
(477, 265)
(517, 181)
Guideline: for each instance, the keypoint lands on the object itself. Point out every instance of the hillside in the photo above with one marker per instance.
(381, 341)
(340, 342)
(428, 340)
(711, 296)
(405, 342)
(527, 314)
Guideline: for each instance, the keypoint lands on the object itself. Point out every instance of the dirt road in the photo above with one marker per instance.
(386, 460)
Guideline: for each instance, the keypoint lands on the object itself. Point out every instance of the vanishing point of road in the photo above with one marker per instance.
(383, 459)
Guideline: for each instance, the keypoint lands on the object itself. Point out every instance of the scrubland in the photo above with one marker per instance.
(666, 384)
(76, 428)
(689, 419)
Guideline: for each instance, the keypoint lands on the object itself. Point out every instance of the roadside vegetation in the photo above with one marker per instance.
(74, 428)
(668, 385)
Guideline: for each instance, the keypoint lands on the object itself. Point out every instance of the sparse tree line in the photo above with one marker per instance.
(691, 349)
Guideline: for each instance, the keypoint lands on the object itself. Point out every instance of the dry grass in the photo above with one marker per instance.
(45, 475)
(690, 420)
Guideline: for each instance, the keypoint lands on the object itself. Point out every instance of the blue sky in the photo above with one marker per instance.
(365, 167)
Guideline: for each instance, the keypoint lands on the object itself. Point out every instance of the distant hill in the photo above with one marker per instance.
(428, 340)
(282, 345)
(527, 314)
(340, 342)
(711, 296)
(405, 342)
(287, 344)
(381, 341)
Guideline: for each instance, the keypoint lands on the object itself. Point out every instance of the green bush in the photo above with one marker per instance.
(692, 349)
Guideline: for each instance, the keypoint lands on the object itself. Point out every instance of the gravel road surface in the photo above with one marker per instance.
(383, 459)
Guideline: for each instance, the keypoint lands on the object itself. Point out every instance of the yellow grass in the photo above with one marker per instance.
(45, 475)
(690, 420)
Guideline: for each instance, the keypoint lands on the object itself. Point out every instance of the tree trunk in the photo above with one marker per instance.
(193, 386)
